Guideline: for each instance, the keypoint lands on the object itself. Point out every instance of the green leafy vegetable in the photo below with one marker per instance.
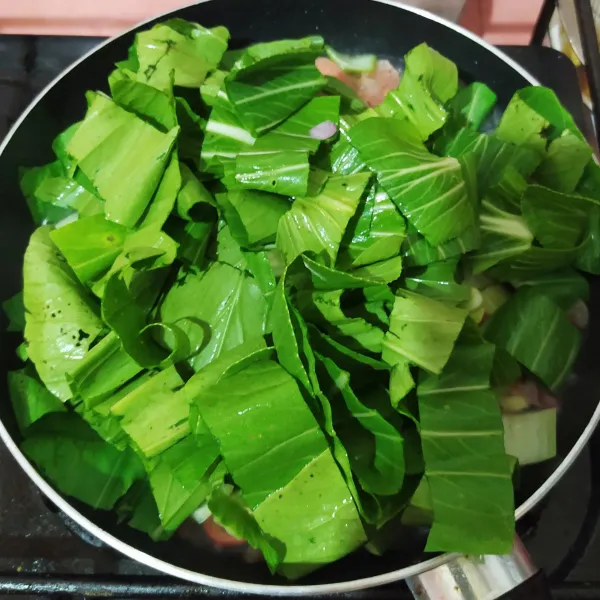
(61, 320)
(52, 195)
(318, 529)
(422, 331)
(95, 472)
(165, 196)
(30, 399)
(152, 414)
(564, 163)
(295, 354)
(261, 465)
(282, 173)
(463, 448)
(217, 310)
(225, 137)
(325, 308)
(401, 383)
(376, 233)
(534, 262)
(431, 192)
(194, 201)
(15, 311)
(506, 370)
(418, 251)
(588, 255)
(293, 135)
(90, 245)
(304, 338)
(438, 281)
(271, 81)
(104, 369)
(377, 458)
(178, 49)
(556, 220)
(491, 156)
(113, 145)
(317, 223)
(533, 114)
(533, 329)
(504, 232)
(429, 81)
(147, 102)
(253, 216)
(191, 136)
(231, 512)
(472, 104)
(326, 278)
(181, 478)
(128, 297)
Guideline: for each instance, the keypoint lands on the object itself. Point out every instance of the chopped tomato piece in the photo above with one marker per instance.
(371, 88)
(218, 534)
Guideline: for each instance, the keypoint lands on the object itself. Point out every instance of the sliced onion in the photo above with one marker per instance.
(323, 131)
(579, 315)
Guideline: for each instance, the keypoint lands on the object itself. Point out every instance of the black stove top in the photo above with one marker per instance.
(44, 554)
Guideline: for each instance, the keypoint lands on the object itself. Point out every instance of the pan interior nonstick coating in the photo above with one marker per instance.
(353, 27)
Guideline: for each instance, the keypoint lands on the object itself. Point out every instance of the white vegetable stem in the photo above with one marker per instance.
(358, 63)
(493, 297)
(201, 514)
(530, 436)
(68, 219)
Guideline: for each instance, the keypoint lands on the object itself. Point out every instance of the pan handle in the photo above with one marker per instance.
(509, 577)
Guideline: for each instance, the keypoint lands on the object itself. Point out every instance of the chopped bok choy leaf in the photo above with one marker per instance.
(308, 309)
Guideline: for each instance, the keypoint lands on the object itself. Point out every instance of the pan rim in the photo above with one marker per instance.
(255, 588)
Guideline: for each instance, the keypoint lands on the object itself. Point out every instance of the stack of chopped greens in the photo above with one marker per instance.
(308, 338)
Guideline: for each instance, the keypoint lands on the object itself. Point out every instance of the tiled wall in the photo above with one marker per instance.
(499, 21)
(502, 21)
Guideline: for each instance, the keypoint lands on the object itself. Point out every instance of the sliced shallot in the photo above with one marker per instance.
(323, 131)
(579, 315)
(527, 394)
(526, 389)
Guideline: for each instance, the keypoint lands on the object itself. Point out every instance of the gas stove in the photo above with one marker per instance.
(45, 554)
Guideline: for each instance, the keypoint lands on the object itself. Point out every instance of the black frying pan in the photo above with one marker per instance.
(351, 26)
